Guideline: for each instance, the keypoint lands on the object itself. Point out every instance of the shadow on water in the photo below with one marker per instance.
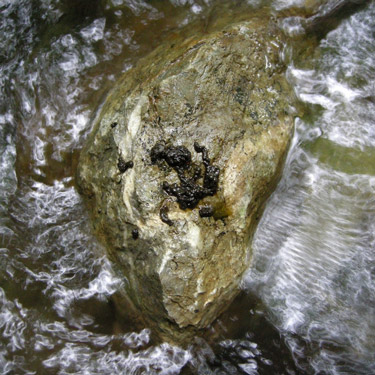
(243, 339)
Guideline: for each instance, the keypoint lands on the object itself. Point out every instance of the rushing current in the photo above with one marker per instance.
(308, 301)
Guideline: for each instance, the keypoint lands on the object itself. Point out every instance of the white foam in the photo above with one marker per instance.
(12, 323)
(283, 4)
(196, 8)
(94, 31)
(81, 359)
(78, 122)
(70, 63)
(101, 287)
(343, 82)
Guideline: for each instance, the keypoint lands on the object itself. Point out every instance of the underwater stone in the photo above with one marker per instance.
(182, 275)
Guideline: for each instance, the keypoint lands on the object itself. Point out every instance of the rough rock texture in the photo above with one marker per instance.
(227, 92)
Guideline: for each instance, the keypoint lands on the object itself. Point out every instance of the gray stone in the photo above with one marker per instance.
(227, 92)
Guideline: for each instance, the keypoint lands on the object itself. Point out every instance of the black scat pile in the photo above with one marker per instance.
(135, 234)
(164, 215)
(189, 192)
(177, 157)
(206, 211)
(123, 165)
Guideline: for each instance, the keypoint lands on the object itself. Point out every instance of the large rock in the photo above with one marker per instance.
(227, 92)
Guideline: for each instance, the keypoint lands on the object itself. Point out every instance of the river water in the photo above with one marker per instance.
(308, 301)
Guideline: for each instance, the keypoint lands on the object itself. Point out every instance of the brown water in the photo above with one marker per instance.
(308, 301)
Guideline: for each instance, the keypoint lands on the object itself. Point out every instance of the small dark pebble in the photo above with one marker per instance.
(123, 165)
(164, 216)
(206, 211)
(198, 148)
(114, 124)
(135, 234)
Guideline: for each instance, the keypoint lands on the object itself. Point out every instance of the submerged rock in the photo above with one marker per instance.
(206, 128)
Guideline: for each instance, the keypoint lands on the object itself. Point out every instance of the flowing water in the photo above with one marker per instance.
(308, 305)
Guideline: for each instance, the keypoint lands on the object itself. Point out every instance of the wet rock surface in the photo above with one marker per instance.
(206, 127)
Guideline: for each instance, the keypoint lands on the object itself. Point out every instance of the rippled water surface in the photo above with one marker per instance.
(308, 304)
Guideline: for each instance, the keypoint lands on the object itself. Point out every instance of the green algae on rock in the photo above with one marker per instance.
(227, 91)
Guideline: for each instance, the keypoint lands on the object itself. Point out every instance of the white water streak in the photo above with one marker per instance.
(315, 246)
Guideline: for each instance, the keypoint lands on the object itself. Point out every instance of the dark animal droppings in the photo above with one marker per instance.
(176, 157)
(113, 125)
(123, 165)
(135, 234)
(206, 211)
(188, 192)
(164, 215)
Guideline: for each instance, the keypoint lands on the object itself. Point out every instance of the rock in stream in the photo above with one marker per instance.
(183, 154)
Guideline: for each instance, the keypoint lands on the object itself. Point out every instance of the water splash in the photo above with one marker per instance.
(81, 359)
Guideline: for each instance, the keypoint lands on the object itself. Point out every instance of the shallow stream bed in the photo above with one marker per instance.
(308, 301)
